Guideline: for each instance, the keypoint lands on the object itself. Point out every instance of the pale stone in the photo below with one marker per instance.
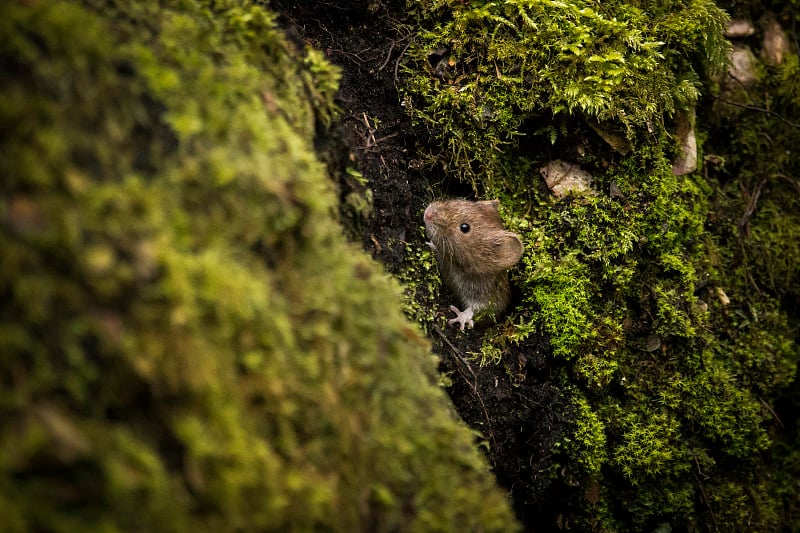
(739, 28)
(722, 296)
(563, 178)
(775, 45)
(686, 161)
(742, 68)
(615, 140)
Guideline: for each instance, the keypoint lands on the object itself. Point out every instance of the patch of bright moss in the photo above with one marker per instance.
(480, 70)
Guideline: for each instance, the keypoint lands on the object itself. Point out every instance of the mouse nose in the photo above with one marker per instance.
(430, 212)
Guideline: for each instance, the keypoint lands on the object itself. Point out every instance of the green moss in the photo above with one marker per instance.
(480, 70)
(188, 342)
(676, 379)
(648, 448)
(668, 301)
(421, 284)
(559, 292)
(588, 442)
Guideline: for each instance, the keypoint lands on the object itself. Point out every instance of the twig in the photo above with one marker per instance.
(397, 63)
(378, 140)
(326, 30)
(370, 132)
(457, 353)
(771, 410)
(388, 57)
(703, 493)
(790, 179)
(759, 109)
(754, 197)
(460, 361)
(356, 58)
(751, 204)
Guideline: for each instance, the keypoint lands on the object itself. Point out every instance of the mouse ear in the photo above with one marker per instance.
(494, 204)
(508, 250)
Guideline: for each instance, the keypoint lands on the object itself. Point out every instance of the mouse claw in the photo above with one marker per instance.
(463, 318)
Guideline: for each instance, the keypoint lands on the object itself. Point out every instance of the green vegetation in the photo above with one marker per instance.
(668, 301)
(420, 285)
(482, 69)
(187, 341)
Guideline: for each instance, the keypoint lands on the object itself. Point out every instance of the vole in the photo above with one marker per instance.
(473, 250)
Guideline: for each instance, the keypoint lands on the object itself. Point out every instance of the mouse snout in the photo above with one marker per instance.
(430, 213)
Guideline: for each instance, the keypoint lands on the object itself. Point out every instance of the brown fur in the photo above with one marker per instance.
(474, 264)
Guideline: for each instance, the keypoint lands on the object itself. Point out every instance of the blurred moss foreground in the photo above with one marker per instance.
(187, 342)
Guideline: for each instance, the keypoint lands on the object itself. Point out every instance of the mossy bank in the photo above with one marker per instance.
(668, 292)
(188, 342)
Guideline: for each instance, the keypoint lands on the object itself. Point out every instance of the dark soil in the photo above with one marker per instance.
(516, 406)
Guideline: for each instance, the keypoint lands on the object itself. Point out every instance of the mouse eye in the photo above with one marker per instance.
(464, 228)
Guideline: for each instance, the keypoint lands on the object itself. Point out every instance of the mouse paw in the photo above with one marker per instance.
(463, 318)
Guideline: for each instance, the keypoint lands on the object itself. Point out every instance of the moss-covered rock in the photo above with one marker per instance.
(485, 73)
(669, 301)
(188, 342)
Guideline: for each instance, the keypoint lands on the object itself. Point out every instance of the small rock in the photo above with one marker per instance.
(686, 161)
(739, 28)
(653, 342)
(616, 141)
(615, 191)
(699, 307)
(563, 178)
(775, 45)
(742, 68)
(723, 298)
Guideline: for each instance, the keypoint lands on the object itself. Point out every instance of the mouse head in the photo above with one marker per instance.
(472, 235)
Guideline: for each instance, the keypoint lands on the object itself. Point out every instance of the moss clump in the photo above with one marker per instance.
(631, 291)
(669, 302)
(483, 73)
(187, 341)
(420, 285)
